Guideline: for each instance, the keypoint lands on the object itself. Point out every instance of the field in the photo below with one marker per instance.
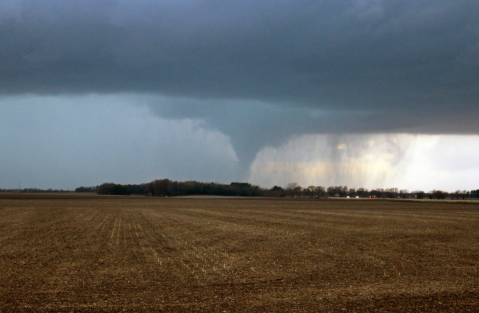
(137, 254)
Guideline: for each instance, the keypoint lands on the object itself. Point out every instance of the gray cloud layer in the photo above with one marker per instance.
(364, 54)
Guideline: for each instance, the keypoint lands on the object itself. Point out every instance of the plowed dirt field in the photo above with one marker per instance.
(142, 254)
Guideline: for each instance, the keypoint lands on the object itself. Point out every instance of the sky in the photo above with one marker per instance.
(363, 93)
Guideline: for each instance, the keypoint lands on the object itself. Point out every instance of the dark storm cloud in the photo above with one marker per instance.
(335, 54)
(408, 65)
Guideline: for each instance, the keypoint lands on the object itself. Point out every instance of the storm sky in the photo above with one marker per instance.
(364, 93)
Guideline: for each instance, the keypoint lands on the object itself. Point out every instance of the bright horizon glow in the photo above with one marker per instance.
(404, 161)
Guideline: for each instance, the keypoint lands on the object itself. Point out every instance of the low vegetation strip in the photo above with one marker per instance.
(144, 254)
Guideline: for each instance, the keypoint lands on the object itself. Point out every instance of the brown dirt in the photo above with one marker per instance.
(136, 254)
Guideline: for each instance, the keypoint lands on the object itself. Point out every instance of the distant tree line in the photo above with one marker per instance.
(87, 189)
(169, 188)
(34, 190)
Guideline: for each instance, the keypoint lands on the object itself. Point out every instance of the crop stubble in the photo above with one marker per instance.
(236, 254)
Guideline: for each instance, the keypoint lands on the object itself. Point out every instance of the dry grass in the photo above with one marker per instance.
(246, 255)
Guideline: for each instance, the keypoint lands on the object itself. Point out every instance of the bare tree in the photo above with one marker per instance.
(459, 194)
(276, 191)
(378, 192)
(362, 192)
(352, 192)
(419, 194)
(438, 194)
(331, 191)
(391, 192)
(292, 189)
(320, 192)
